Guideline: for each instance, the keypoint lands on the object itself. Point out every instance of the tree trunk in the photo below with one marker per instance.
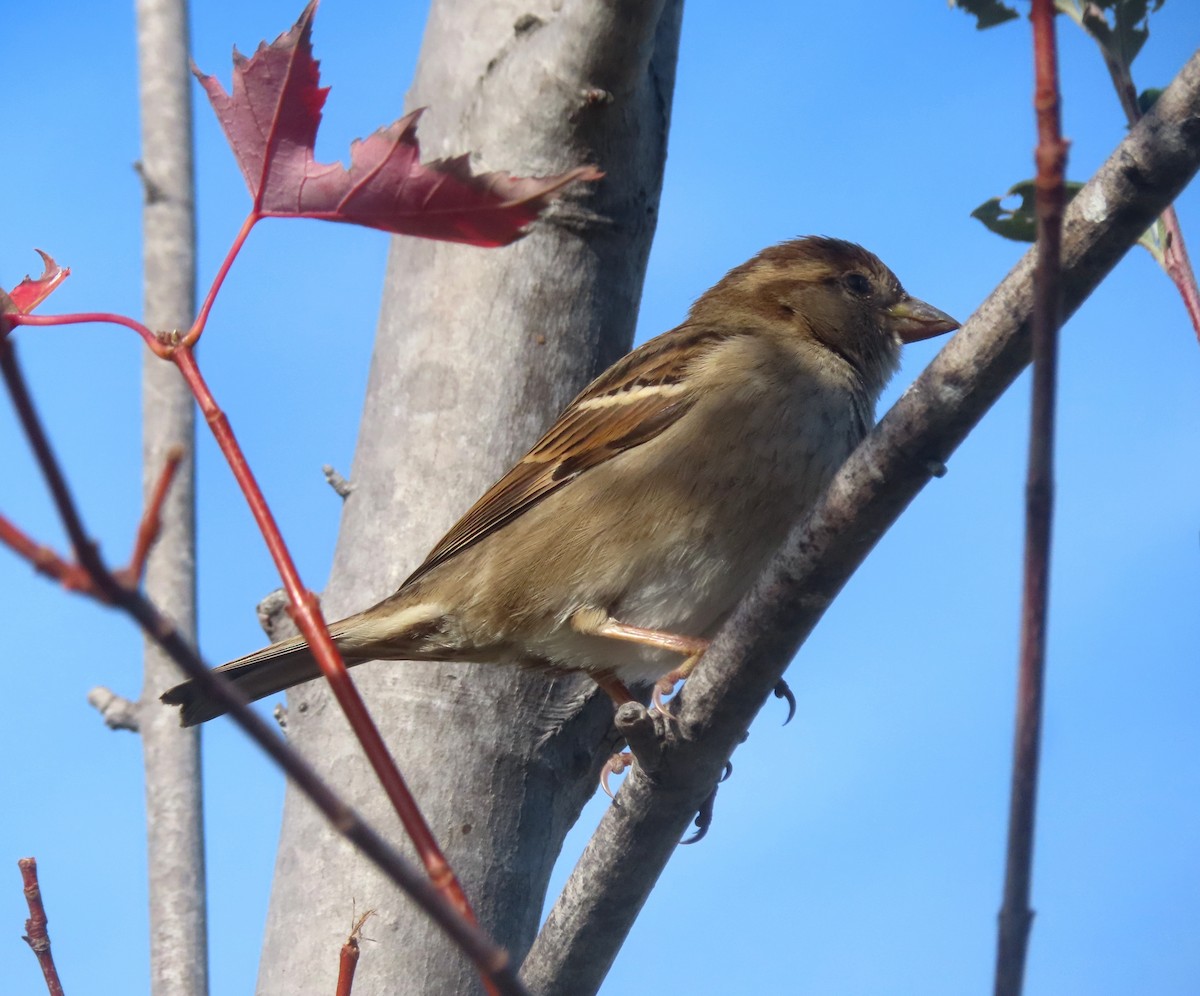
(476, 352)
(174, 811)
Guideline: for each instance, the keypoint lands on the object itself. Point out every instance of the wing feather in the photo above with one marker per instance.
(629, 404)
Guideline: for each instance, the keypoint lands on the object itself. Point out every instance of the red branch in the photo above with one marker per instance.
(304, 608)
(1179, 267)
(493, 963)
(348, 959)
(151, 524)
(305, 611)
(1016, 916)
(210, 298)
(347, 963)
(1174, 251)
(46, 561)
(35, 927)
(82, 318)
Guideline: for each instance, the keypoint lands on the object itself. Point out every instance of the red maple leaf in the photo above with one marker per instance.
(271, 121)
(29, 293)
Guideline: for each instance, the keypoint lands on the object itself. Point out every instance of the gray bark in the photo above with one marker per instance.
(476, 352)
(621, 864)
(174, 824)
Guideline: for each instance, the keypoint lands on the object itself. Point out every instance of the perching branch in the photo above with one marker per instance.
(618, 869)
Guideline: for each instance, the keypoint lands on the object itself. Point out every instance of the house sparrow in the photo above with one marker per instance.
(619, 544)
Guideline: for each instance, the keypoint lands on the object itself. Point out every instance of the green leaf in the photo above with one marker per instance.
(1147, 98)
(1154, 241)
(987, 13)
(1125, 32)
(1017, 223)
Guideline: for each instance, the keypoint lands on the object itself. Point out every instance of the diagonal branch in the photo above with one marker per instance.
(36, 935)
(618, 869)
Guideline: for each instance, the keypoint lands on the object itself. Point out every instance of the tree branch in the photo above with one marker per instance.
(589, 922)
(1016, 916)
(36, 935)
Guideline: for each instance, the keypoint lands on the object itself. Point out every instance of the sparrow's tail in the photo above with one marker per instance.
(390, 631)
(270, 670)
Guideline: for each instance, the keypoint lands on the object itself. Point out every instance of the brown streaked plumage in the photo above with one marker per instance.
(624, 538)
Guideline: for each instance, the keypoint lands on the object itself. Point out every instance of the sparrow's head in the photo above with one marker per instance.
(831, 292)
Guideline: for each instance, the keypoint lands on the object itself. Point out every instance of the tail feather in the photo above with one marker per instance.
(398, 628)
(265, 672)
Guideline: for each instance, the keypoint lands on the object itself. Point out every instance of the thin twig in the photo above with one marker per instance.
(348, 958)
(1175, 261)
(87, 317)
(151, 523)
(1015, 914)
(55, 480)
(1179, 266)
(493, 962)
(36, 935)
(210, 298)
(44, 560)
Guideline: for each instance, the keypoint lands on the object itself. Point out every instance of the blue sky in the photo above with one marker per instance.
(859, 850)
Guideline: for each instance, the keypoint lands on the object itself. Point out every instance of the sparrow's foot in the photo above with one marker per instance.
(666, 684)
(596, 622)
(616, 764)
(782, 691)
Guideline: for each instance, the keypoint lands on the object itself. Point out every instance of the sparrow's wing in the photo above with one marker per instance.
(627, 405)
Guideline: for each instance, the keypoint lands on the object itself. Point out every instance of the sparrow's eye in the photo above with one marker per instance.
(858, 284)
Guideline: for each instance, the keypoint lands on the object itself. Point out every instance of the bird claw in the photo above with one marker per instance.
(782, 691)
(703, 818)
(614, 766)
(664, 686)
(704, 815)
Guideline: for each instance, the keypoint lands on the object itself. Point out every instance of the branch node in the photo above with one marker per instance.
(151, 191)
(273, 615)
(335, 480)
(636, 724)
(118, 712)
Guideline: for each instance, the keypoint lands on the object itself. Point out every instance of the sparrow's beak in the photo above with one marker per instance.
(914, 320)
